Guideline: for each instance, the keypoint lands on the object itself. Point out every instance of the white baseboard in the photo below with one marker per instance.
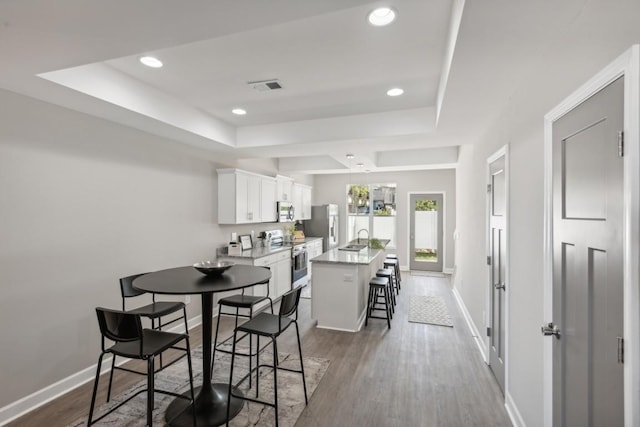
(472, 327)
(33, 401)
(512, 410)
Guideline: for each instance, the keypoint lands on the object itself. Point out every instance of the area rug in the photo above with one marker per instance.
(175, 378)
(429, 309)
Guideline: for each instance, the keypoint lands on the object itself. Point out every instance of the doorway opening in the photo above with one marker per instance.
(426, 249)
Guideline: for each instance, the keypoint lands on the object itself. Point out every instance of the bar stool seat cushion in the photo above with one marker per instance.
(241, 301)
(266, 324)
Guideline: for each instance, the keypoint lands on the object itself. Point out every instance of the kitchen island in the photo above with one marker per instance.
(340, 286)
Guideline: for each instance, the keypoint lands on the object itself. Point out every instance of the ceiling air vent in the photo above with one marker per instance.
(265, 85)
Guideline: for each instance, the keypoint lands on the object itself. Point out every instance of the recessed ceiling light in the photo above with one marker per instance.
(381, 16)
(150, 61)
(396, 91)
(239, 111)
(360, 165)
(350, 156)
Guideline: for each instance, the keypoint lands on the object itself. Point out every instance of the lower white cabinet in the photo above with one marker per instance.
(280, 266)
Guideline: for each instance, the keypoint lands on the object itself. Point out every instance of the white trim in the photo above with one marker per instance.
(627, 65)
(512, 410)
(444, 224)
(45, 395)
(502, 152)
(448, 270)
(472, 327)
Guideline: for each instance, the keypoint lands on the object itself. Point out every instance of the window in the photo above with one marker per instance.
(372, 207)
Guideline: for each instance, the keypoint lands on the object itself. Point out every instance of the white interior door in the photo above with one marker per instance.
(497, 260)
(587, 241)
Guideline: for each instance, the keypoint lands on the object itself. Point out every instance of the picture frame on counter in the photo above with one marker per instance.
(245, 242)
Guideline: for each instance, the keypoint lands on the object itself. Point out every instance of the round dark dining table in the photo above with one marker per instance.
(211, 398)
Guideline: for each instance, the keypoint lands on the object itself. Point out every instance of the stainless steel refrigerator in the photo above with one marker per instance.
(325, 223)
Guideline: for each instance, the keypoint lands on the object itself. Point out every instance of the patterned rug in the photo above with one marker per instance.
(176, 378)
(429, 309)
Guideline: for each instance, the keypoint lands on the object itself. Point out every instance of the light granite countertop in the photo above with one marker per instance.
(260, 252)
(254, 253)
(336, 256)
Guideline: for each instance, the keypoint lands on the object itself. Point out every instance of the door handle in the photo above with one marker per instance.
(499, 285)
(551, 329)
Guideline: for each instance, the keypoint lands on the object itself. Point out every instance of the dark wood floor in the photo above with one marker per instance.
(411, 375)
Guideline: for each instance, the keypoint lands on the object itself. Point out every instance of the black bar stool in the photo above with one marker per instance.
(394, 256)
(387, 273)
(393, 265)
(237, 302)
(377, 285)
(270, 326)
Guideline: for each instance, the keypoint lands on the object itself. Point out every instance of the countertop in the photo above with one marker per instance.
(255, 253)
(336, 256)
(305, 240)
(261, 252)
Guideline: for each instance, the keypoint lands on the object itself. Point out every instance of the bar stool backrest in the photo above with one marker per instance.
(127, 290)
(119, 326)
(289, 302)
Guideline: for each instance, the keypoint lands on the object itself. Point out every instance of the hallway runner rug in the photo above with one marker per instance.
(429, 309)
(175, 378)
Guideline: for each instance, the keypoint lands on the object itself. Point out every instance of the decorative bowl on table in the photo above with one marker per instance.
(213, 268)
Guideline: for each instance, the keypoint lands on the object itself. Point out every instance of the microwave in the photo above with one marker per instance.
(285, 212)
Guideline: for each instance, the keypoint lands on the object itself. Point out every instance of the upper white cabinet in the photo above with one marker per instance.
(285, 185)
(302, 201)
(268, 199)
(247, 197)
(239, 194)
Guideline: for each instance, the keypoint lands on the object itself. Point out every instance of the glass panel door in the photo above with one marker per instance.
(425, 239)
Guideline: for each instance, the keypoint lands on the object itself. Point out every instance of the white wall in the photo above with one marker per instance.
(332, 189)
(588, 43)
(82, 203)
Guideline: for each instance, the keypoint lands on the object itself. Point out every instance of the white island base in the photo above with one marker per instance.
(340, 287)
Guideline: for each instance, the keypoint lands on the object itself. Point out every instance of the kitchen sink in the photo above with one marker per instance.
(353, 247)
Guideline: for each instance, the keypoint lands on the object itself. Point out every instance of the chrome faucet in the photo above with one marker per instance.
(363, 229)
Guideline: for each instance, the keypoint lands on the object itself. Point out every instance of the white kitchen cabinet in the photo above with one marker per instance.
(301, 201)
(282, 271)
(268, 199)
(280, 266)
(306, 202)
(284, 188)
(239, 197)
(246, 197)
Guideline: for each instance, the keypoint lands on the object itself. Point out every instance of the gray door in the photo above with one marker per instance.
(497, 194)
(587, 262)
(425, 233)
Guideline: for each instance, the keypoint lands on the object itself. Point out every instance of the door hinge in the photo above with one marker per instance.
(488, 188)
(620, 144)
(489, 260)
(620, 350)
(488, 332)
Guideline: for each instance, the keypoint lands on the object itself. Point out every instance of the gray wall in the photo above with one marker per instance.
(580, 53)
(84, 202)
(332, 189)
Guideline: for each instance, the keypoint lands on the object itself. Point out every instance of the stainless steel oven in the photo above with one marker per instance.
(299, 276)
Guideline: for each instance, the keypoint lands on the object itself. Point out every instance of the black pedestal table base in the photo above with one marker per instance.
(211, 407)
